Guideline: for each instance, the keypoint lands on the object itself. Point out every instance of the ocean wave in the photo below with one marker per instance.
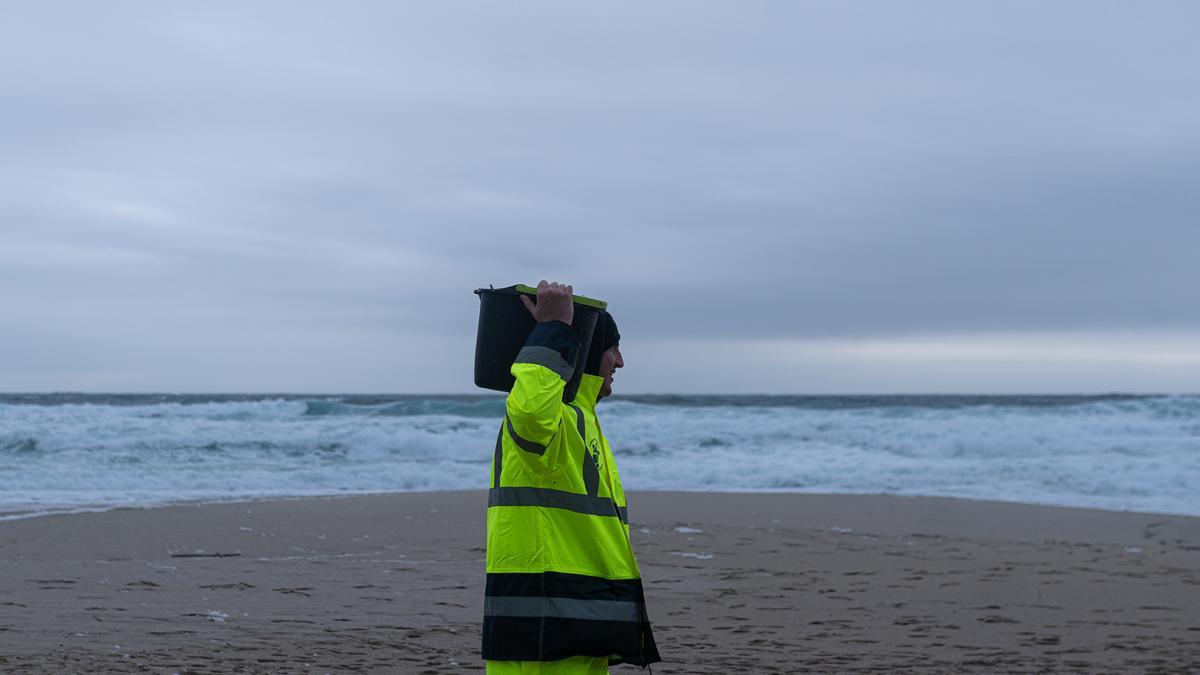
(487, 408)
(19, 445)
(1137, 453)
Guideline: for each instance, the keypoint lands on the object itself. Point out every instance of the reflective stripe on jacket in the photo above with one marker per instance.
(562, 579)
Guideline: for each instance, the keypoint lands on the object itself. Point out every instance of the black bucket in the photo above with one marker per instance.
(504, 324)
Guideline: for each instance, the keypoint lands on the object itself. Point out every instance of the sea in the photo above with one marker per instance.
(81, 452)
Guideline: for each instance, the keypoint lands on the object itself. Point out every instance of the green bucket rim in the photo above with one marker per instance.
(579, 299)
(530, 290)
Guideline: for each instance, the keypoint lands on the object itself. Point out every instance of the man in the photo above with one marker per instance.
(564, 594)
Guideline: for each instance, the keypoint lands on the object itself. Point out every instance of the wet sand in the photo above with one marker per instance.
(736, 583)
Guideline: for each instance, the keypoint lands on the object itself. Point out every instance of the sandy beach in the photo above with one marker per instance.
(757, 583)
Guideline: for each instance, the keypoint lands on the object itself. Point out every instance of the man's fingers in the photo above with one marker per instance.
(553, 302)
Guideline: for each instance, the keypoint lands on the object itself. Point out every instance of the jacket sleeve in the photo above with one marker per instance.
(543, 367)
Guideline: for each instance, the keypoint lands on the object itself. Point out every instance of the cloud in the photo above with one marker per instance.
(204, 180)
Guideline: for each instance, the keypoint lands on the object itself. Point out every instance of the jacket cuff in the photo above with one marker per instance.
(553, 345)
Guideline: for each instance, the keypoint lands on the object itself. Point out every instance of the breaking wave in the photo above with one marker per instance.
(97, 451)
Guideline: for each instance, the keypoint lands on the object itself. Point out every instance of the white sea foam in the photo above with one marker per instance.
(1139, 454)
(689, 554)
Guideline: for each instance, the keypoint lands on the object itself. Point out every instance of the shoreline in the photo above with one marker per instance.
(22, 514)
(735, 582)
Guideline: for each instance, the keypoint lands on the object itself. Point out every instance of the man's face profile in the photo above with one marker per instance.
(609, 362)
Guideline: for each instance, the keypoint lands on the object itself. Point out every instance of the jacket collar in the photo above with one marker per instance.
(589, 391)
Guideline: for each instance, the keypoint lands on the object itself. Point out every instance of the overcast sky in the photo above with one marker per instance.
(773, 197)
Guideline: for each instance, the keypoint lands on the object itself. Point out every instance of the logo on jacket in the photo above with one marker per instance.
(594, 451)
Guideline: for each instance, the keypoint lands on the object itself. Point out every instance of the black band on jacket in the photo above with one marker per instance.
(569, 625)
(523, 443)
(563, 585)
(550, 498)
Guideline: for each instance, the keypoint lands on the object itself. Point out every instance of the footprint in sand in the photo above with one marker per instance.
(996, 618)
(53, 584)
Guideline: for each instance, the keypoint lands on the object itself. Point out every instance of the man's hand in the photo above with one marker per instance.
(554, 303)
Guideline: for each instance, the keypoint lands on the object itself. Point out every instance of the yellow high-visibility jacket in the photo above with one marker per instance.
(562, 579)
